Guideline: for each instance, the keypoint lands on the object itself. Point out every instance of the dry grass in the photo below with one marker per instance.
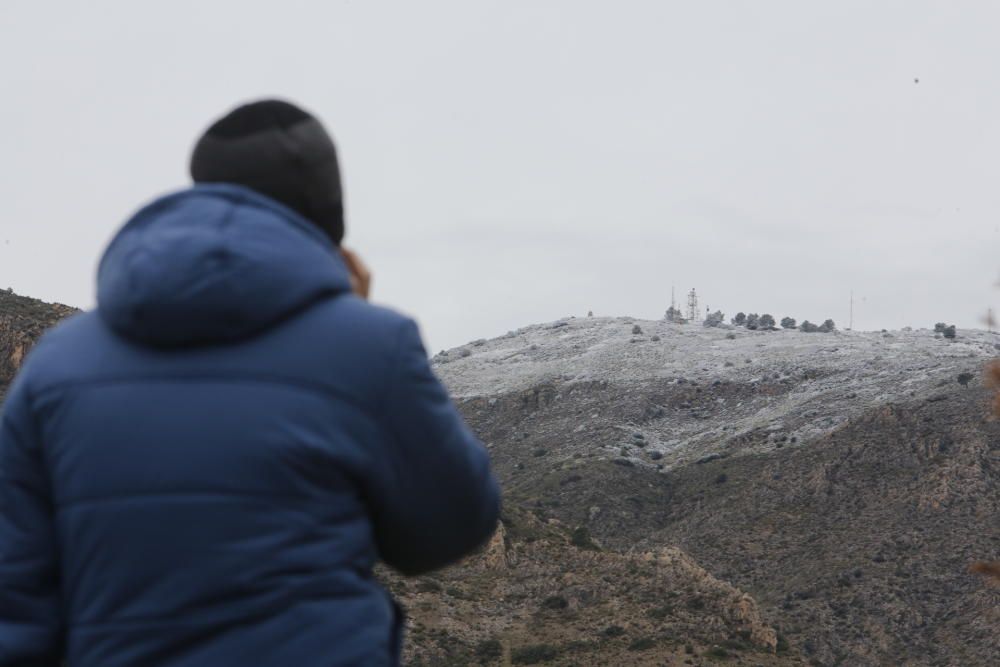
(989, 570)
(993, 380)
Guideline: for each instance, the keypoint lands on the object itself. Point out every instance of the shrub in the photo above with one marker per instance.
(673, 315)
(714, 319)
(555, 602)
(766, 321)
(827, 326)
(787, 322)
(642, 644)
(940, 327)
(949, 332)
(489, 649)
(581, 539)
(534, 654)
(740, 319)
(659, 613)
(753, 321)
(636, 330)
(429, 586)
(965, 378)
(808, 327)
(733, 645)
(613, 631)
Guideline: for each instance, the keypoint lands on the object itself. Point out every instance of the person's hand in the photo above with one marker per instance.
(361, 277)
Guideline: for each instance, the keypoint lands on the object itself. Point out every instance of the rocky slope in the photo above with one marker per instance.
(845, 481)
(22, 321)
(541, 594)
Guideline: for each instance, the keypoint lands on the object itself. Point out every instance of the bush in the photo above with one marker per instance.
(734, 645)
(636, 330)
(429, 586)
(714, 319)
(642, 644)
(827, 326)
(534, 654)
(581, 539)
(787, 322)
(613, 631)
(949, 332)
(753, 321)
(555, 602)
(766, 321)
(659, 613)
(965, 378)
(808, 327)
(940, 327)
(740, 319)
(673, 315)
(489, 649)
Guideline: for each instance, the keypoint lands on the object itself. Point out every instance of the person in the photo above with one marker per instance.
(204, 470)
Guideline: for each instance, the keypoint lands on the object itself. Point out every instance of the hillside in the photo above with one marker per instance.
(845, 481)
(541, 594)
(22, 321)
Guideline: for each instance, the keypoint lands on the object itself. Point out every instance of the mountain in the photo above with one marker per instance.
(680, 495)
(845, 481)
(22, 322)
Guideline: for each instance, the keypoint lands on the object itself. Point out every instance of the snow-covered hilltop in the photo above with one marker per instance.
(766, 388)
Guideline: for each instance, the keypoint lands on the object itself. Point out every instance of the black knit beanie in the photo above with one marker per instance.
(280, 151)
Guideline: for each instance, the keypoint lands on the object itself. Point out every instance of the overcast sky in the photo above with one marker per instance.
(513, 162)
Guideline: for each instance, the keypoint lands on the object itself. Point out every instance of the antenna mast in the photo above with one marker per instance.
(851, 325)
(692, 311)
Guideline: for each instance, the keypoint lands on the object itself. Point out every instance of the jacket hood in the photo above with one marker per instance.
(213, 263)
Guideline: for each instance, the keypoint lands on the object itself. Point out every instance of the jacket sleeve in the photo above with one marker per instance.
(30, 626)
(435, 499)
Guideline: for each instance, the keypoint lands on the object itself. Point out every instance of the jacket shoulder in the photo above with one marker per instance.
(358, 323)
(344, 341)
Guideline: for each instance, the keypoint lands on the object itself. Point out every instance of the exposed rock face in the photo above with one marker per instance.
(568, 605)
(499, 553)
(735, 606)
(22, 322)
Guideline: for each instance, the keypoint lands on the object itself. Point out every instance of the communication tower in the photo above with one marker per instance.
(692, 310)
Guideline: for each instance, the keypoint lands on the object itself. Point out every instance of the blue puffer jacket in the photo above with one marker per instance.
(203, 472)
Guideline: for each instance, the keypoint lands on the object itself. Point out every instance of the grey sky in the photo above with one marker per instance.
(513, 162)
